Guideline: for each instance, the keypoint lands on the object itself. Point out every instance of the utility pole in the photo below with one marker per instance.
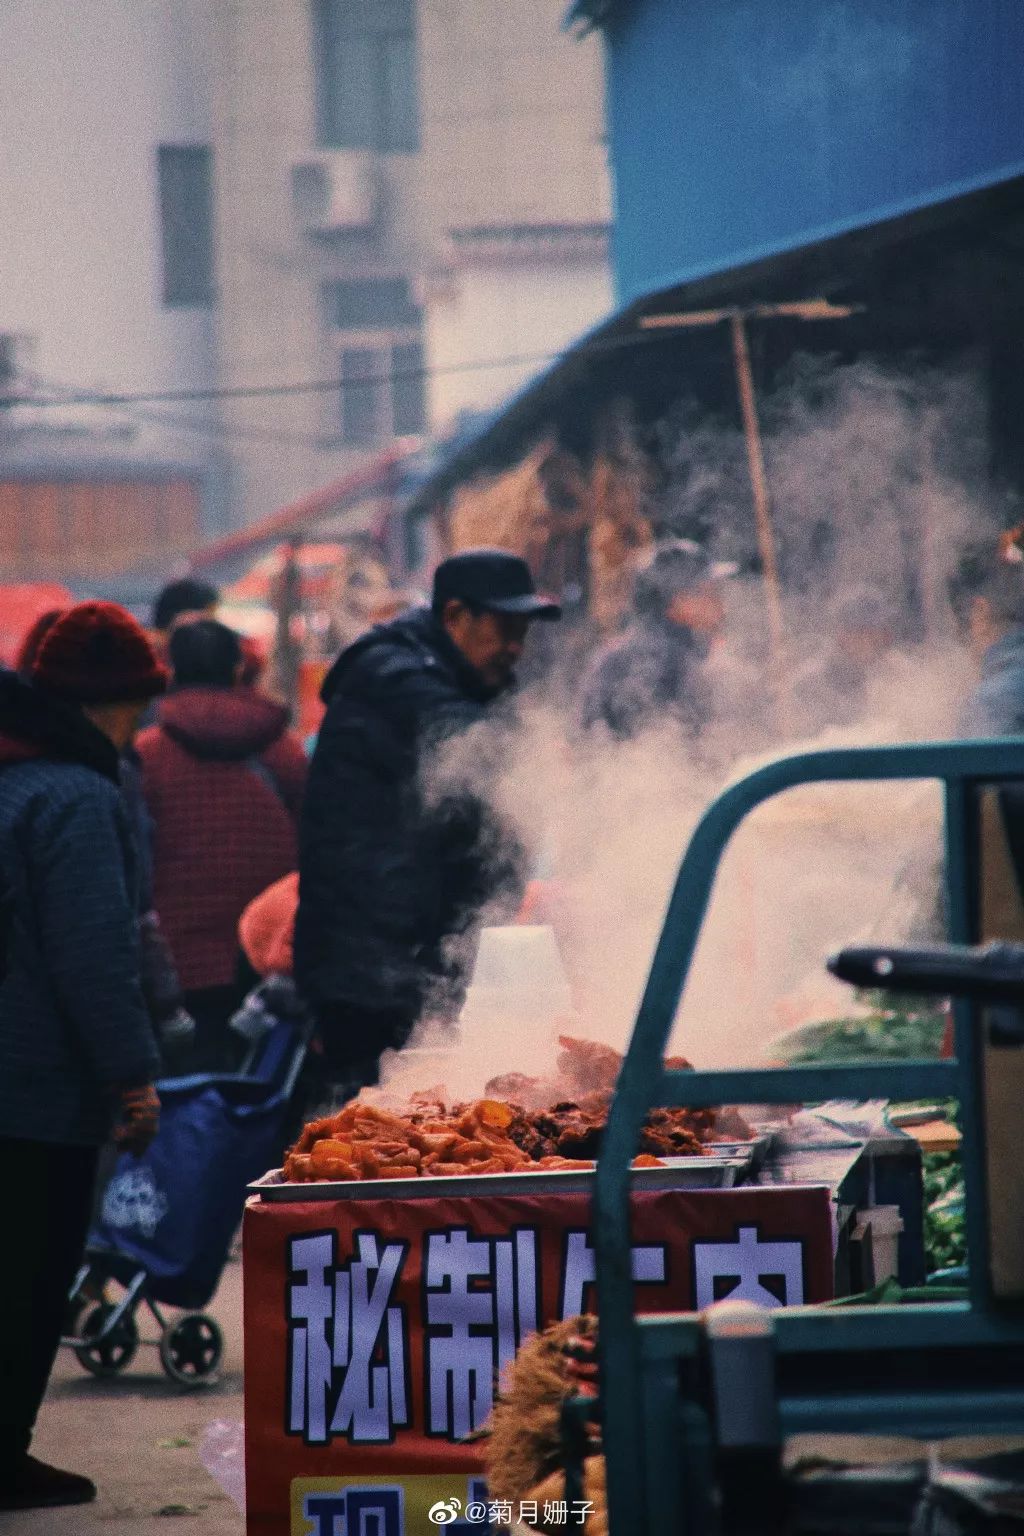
(807, 309)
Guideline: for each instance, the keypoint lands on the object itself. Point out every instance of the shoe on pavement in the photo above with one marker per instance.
(35, 1485)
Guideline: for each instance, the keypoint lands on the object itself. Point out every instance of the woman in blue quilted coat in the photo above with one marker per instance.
(77, 1052)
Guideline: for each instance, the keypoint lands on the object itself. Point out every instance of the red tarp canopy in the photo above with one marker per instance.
(20, 606)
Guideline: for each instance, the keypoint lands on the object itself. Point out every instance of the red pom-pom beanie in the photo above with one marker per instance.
(96, 653)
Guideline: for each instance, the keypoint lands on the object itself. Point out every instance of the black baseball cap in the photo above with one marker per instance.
(492, 579)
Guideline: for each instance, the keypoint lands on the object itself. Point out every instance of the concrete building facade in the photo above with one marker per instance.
(345, 221)
(91, 93)
(516, 194)
(407, 195)
(103, 106)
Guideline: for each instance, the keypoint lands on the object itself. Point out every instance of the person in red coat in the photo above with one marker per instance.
(223, 779)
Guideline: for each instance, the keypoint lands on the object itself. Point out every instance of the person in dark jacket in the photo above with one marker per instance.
(223, 779)
(655, 670)
(190, 596)
(77, 1052)
(160, 985)
(389, 877)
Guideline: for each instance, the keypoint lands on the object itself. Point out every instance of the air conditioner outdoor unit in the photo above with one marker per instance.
(335, 191)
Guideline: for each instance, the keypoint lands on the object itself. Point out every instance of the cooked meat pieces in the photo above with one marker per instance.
(523, 1123)
(681, 1127)
(364, 1141)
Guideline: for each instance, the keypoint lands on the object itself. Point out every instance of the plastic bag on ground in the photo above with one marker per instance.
(222, 1453)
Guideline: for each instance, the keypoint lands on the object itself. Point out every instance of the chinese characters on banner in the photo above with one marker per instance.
(375, 1332)
(341, 1320)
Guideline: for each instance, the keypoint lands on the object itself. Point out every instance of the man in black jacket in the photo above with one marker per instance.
(390, 876)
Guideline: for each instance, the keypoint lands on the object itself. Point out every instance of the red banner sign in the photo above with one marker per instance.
(374, 1331)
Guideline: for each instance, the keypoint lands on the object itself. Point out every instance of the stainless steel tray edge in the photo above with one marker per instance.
(679, 1173)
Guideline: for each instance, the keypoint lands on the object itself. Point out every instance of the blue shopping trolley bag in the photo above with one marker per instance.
(174, 1210)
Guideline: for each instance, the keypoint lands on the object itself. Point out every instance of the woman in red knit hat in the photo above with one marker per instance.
(160, 984)
(76, 1044)
(33, 638)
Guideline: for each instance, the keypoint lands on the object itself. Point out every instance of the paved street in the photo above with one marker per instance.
(138, 1438)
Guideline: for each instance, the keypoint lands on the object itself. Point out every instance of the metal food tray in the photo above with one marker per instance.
(758, 1149)
(720, 1172)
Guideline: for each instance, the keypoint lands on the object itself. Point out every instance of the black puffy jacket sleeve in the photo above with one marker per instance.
(382, 875)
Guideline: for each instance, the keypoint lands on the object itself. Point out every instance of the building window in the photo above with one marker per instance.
(374, 303)
(363, 400)
(186, 223)
(366, 74)
(408, 395)
(378, 329)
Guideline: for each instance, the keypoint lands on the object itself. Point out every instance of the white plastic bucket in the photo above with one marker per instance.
(518, 1000)
(886, 1224)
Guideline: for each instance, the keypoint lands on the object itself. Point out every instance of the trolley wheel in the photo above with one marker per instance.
(191, 1349)
(110, 1355)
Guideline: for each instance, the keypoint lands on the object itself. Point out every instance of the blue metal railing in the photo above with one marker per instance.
(964, 768)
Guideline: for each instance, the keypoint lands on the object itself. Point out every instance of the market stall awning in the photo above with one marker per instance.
(627, 355)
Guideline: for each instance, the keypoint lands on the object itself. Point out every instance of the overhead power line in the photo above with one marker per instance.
(653, 330)
(210, 426)
(321, 386)
(260, 391)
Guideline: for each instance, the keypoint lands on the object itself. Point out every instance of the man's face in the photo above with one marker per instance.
(700, 609)
(492, 643)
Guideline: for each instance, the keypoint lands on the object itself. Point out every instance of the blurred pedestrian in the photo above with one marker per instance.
(655, 671)
(78, 1050)
(186, 598)
(160, 985)
(852, 652)
(223, 779)
(389, 882)
(254, 661)
(189, 596)
(266, 934)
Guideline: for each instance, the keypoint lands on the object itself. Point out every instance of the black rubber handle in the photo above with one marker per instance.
(992, 973)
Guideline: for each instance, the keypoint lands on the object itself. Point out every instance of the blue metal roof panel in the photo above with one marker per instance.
(742, 130)
(768, 250)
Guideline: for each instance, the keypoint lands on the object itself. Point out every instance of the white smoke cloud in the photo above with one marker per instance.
(883, 476)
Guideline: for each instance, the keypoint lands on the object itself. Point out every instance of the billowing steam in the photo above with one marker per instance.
(876, 482)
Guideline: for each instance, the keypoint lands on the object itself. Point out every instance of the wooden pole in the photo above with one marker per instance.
(762, 515)
(288, 603)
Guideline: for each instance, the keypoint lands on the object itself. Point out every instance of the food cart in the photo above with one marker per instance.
(378, 1318)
